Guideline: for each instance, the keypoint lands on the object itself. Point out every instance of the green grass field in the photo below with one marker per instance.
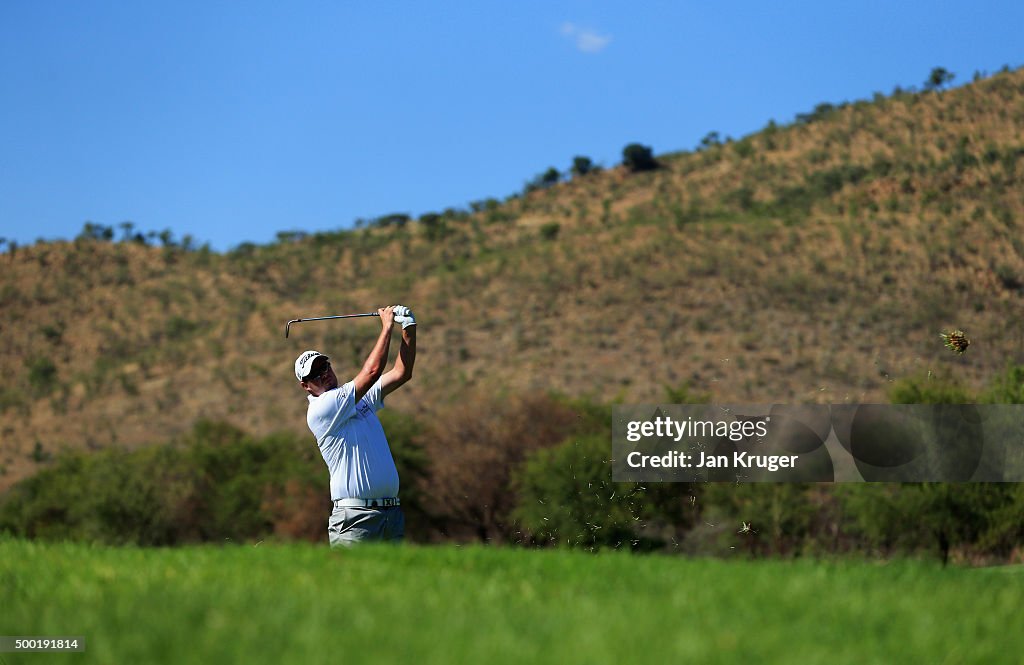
(307, 604)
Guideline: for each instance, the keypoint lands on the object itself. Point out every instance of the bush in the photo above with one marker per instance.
(581, 166)
(744, 148)
(567, 496)
(217, 483)
(930, 389)
(1007, 388)
(567, 499)
(178, 327)
(820, 112)
(398, 219)
(637, 157)
(544, 180)
(434, 226)
(828, 182)
(550, 230)
(938, 78)
(936, 517)
(411, 460)
(962, 158)
(742, 197)
(42, 374)
(710, 140)
(111, 497)
(778, 516)
(289, 237)
(11, 398)
(93, 231)
(476, 446)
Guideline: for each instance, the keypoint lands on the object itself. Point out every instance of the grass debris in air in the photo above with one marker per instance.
(956, 341)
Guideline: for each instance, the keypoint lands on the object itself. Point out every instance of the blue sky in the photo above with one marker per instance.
(233, 121)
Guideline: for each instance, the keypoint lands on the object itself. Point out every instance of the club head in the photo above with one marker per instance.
(288, 326)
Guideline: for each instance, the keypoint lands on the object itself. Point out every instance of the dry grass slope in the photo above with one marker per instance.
(814, 262)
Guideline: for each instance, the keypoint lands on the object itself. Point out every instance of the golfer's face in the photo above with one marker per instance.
(324, 375)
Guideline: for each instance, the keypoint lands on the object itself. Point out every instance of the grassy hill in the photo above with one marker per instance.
(812, 262)
(303, 603)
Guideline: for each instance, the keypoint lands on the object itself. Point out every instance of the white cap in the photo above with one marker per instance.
(304, 363)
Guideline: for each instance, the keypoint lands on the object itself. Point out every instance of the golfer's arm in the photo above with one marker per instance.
(402, 371)
(373, 368)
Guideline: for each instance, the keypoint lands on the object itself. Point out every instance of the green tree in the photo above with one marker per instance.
(398, 219)
(637, 157)
(820, 111)
(938, 79)
(778, 516)
(567, 498)
(93, 231)
(1007, 388)
(581, 166)
(434, 226)
(935, 517)
(710, 140)
(413, 466)
(285, 237)
(544, 180)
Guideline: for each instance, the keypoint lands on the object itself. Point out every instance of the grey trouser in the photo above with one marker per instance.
(348, 526)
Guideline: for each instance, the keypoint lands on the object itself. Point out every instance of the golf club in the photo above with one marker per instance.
(288, 325)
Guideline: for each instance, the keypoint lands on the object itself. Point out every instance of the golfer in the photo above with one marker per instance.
(364, 480)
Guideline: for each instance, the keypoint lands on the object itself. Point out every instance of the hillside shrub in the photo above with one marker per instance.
(744, 148)
(545, 180)
(178, 327)
(42, 374)
(581, 166)
(11, 398)
(938, 78)
(710, 140)
(637, 157)
(398, 220)
(962, 158)
(93, 231)
(820, 112)
(434, 226)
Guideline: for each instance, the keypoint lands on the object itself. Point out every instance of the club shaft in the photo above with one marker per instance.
(288, 325)
(339, 316)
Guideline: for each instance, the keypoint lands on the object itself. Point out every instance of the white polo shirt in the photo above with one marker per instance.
(352, 442)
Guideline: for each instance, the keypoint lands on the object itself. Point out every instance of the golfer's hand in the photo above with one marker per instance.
(403, 316)
(387, 317)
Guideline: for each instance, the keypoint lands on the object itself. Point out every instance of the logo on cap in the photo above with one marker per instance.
(304, 363)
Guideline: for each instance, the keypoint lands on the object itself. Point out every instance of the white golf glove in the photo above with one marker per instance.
(404, 316)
